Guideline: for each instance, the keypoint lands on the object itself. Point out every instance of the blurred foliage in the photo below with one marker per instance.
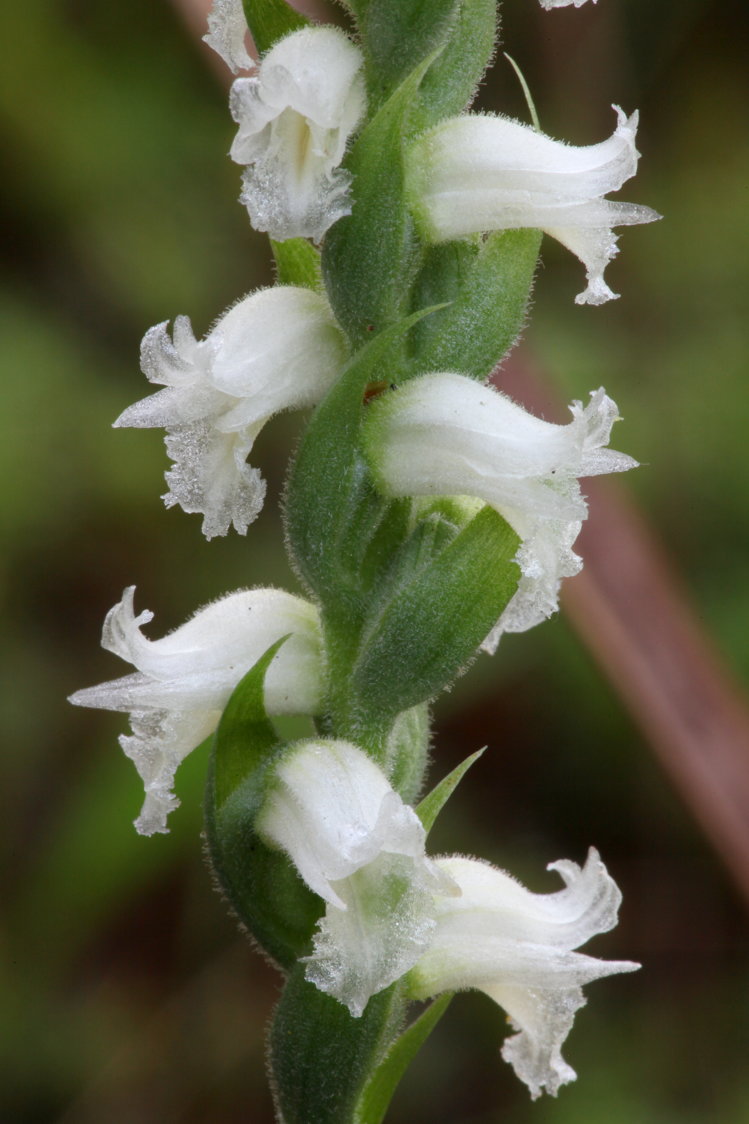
(127, 994)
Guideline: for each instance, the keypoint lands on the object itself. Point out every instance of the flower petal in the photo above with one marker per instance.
(295, 119)
(227, 32)
(379, 934)
(333, 811)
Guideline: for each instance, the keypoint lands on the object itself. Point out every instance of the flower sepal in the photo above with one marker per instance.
(332, 512)
(429, 621)
(396, 36)
(370, 256)
(485, 285)
(271, 20)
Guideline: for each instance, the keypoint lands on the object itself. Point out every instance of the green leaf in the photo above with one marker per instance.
(270, 20)
(430, 807)
(379, 1090)
(397, 35)
(260, 883)
(431, 626)
(451, 82)
(321, 1057)
(488, 286)
(371, 256)
(333, 514)
(297, 263)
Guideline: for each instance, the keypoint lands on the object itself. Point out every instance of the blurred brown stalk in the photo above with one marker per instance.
(630, 608)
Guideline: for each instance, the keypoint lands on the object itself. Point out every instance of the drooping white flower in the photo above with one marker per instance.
(357, 845)
(276, 349)
(227, 33)
(295, 118)
(516, 947)
(183, 681)
(477, 173)
(446, 434)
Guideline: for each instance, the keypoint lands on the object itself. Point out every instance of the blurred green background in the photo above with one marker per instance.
(128, 995)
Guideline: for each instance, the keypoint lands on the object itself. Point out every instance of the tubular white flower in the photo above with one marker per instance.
(357, 845)
(276, 349)
(445, 434)
(183, 681)
(295, 119)
(227, 31)
(476, 173)
(516, 947)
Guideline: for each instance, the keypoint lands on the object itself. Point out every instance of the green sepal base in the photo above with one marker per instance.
(270, 20)
(485, 285)
(371, 256)
(297, 263)
(321, 1057)
(430, 627)
(262, 886)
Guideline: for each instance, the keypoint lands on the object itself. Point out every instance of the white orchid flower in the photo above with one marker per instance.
(295, 118)
(277, 349)
(357, 845)
(477, 173)
(446, 434)
(184, 680)
(516, 947)
(227, 34)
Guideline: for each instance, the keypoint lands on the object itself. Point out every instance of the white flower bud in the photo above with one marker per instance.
(476, 173)
(516, 947)
(184, 680)
(276, 349)
(295, 119)
(227, 32)
(446, 434)
(357, 845)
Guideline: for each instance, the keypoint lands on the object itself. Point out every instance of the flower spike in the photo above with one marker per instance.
(295, 118)
(183, 681)
(277, 349)
(445, 434)
(477, 173)
(357, 845)
(517, 947)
